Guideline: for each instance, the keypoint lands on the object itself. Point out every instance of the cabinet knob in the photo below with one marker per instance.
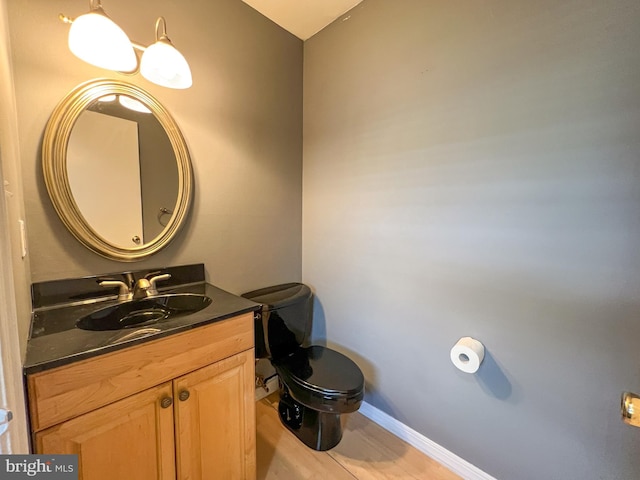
(166, 402)
(184, 395)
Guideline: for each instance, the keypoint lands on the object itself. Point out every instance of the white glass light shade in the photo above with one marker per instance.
(96, 39)
(164, 65)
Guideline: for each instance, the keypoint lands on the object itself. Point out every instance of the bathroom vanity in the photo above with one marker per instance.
(143, 374)
(172, 399)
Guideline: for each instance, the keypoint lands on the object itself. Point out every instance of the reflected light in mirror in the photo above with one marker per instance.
(132, 104)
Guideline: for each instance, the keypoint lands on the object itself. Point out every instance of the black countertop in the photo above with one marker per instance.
(56, 341)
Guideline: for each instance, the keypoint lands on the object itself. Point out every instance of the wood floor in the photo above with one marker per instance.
(366, 451)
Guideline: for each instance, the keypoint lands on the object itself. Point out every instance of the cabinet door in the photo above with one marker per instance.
(131, 438)
(215, 421)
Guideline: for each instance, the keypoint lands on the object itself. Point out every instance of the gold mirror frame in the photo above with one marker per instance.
(54, 165)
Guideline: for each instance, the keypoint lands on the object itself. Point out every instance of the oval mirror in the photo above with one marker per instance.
(117, 169)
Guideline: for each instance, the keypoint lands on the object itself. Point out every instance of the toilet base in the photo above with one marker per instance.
(318, 430)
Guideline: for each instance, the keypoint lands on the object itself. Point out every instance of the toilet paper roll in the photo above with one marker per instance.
(467, 354)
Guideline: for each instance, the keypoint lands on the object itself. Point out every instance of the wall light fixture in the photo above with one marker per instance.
(96, 39)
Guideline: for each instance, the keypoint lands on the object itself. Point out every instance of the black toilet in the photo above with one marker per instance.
(317, 384)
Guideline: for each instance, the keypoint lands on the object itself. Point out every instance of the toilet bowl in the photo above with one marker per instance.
(317, 384)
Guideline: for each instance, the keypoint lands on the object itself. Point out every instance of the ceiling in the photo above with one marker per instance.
(303, 18)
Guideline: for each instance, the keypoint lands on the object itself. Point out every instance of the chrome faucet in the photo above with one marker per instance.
(146, 287)
(134, 290)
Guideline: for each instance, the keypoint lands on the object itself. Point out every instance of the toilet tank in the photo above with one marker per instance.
(284, 323)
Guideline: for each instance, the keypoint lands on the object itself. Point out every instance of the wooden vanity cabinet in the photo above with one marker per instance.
(216, 396)
(199, 423)
(131, 438)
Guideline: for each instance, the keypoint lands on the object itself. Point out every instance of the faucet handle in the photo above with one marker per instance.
(158, 278)
(123, 293)
(150, 275)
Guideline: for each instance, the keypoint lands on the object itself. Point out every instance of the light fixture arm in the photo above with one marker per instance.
(64, 19)
(138, 46)
(161, 22)
(98, 7)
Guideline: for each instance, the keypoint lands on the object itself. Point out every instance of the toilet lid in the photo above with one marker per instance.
(322, 370)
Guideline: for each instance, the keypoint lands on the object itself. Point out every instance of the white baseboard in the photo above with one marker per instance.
(449, 459)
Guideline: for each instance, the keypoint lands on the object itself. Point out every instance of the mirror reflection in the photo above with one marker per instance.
(122, 170)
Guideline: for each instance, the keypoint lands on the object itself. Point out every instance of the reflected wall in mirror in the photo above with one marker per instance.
(117, 169)
(119, 146)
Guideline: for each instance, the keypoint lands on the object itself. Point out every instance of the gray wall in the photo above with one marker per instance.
(158, 175)
(241, 119)
(473, 168)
